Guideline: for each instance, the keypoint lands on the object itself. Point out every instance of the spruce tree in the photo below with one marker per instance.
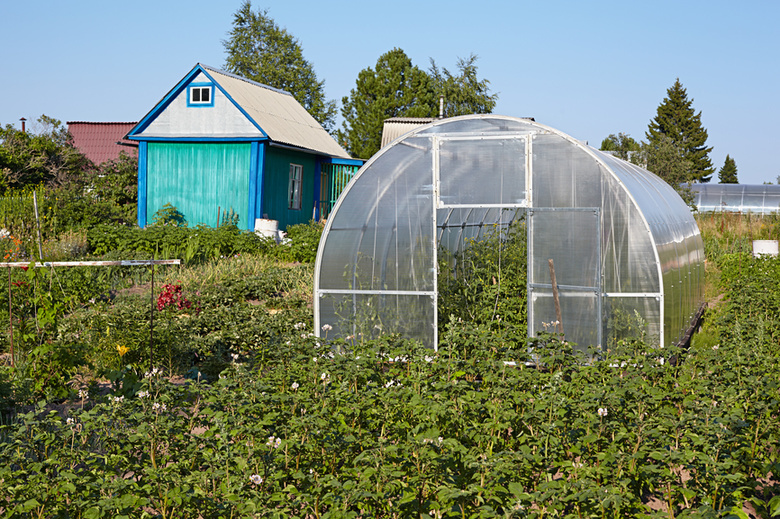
(677, 121)
(728, 173)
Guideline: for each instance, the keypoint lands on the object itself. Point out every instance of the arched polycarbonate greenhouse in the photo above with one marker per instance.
(627, 255)
(759, 199)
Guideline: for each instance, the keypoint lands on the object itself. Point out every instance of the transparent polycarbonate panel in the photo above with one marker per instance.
(459, 226)
(757, 199)
(364, 316)
(571, 239)
(482, 171)
(631, 318)
(628, 254)
(382, 234)
(753, 202)
(732, 201)
(772, 202)
(480, 124)
(564, 175)
(676, 239)
(580, 315)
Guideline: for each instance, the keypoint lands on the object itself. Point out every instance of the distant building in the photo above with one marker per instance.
(394, 127)
(218, 142)
(101, 142)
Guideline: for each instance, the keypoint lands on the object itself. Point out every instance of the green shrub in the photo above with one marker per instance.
(300, 245)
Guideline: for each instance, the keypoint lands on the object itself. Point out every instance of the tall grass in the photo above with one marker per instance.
(727, 233)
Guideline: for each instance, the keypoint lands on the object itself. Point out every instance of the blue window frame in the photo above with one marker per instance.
(200, 94)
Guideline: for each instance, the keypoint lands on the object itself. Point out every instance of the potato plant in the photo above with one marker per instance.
(245, 413)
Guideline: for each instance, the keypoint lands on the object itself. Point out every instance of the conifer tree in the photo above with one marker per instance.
(728, 173)
(676, 122)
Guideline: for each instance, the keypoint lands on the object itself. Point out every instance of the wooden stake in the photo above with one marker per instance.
(556, 300)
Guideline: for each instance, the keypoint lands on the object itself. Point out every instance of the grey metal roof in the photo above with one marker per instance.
(394, 127)
(284, 119)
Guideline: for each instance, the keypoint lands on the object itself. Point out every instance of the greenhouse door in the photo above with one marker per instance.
(571, 238)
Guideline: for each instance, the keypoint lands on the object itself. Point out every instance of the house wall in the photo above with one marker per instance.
(276, 182)
(198, 178)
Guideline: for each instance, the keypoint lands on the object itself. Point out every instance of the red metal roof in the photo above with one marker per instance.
(98, 141)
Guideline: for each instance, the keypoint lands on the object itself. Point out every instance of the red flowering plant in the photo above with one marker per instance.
(171, 296)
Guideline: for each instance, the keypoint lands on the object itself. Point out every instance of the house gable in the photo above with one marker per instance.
(179, 117)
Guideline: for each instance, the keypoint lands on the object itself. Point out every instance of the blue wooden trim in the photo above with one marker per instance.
(162, 105)
(210, 103)
(142, 183)
(252, 211)
(240, 108)
(260, 182)
(198, 139)
(343, 162)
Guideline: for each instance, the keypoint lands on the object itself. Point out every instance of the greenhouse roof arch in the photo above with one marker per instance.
(627, 253)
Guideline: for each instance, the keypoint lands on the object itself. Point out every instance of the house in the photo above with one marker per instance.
(218, 143)
(102, 141)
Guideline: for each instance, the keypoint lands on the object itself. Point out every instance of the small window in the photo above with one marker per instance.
(294, 196)
(200, 95)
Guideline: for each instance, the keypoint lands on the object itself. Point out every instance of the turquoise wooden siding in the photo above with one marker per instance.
(336, 176)
(199, 178)
(276, 178)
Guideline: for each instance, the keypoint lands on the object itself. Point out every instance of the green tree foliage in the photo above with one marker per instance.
(728, 173)
(260, 50)
(624, 146)
(397, 88)
(678, 124)
(463, 93)
(45, 156)
(393, 88)
(668, 161)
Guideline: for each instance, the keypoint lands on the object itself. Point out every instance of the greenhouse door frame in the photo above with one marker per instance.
(442, 203)
(534, 215)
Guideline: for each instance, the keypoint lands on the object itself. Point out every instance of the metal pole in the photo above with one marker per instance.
(557, 301)
(38, 224)
(151, 325)
(10, 318)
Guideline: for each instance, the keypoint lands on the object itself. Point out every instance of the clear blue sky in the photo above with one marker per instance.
(586, 68)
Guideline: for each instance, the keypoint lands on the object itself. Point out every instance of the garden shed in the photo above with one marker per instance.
(627, 254)
(218, 143)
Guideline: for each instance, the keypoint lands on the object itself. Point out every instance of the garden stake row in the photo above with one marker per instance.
(119, 263)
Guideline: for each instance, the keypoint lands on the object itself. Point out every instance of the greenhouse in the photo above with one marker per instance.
(760, 199)
(573, 235)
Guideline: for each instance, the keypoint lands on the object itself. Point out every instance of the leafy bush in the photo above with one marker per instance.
(166, 241)
(301, 244)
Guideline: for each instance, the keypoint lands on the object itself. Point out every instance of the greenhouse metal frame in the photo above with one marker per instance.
(627, 253)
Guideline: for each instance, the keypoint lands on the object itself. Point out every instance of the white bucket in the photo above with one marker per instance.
(267, 228)
(769, 247)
